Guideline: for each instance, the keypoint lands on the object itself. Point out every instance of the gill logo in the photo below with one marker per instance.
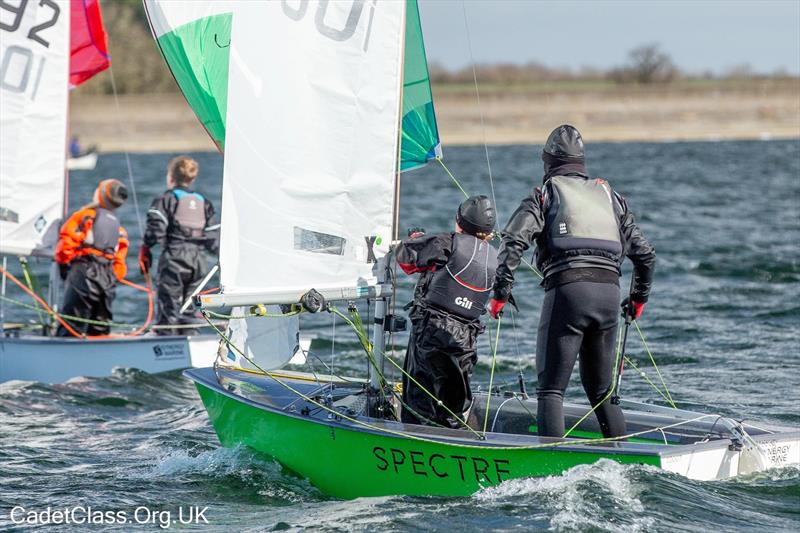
(298, 13)
(464, 302)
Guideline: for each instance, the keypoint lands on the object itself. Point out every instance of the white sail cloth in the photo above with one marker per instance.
(269, 342)
(311, 144)
(34, 71)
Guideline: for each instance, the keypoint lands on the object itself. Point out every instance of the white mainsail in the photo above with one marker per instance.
(311, 146)
(34, 71)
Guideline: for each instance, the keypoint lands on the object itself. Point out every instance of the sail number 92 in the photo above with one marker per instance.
(11, 13)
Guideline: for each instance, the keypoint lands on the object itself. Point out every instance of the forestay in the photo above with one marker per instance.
(34, 68)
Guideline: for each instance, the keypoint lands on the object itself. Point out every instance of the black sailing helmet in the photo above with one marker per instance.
(476, 215)
(565, 144)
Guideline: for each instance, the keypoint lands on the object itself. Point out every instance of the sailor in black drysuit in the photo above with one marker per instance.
(582, 230)
(457, 275)
(180, 222)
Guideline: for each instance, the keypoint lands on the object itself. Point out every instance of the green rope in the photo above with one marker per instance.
(365, 344)
(653, 360)
(491, 377)
(30, 281)
(460, 188)
(410, 436)
(611, 390)
(646, 378)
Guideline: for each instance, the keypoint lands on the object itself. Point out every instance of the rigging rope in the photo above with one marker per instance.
(480, 109)
(343, 416)
(652, 360)
(131, 179)
(72, 330)
(610, 390)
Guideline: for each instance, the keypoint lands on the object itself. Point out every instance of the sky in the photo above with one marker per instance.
(699, 35)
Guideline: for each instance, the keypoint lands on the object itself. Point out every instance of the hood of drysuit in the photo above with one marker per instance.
(563, 152)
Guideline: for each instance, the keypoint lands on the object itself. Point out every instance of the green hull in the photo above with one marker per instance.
(350, 462)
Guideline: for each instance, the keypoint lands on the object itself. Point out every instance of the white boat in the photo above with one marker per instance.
(85, 161)
(54, 360)
(33, 125)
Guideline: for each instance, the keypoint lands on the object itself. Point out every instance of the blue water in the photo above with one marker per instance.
(723, 322)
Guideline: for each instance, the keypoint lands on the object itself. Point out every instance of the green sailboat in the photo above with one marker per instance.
(319, 107)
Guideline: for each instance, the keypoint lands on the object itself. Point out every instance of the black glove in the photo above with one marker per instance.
(631, 309)
(63, 270)
(412, 231)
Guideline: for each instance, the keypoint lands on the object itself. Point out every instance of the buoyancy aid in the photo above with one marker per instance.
(462, 287)
(189, 219)
(93, 231)
(582, 228)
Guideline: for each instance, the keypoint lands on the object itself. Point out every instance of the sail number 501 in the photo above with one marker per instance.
(297, 11)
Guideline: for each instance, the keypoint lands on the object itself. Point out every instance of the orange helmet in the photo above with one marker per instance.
(110, 194)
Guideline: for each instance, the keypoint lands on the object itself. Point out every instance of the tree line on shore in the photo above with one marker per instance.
(139, 68)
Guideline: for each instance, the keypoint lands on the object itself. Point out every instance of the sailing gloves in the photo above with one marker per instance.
(145, 259)
(631, 309)
(496, 307)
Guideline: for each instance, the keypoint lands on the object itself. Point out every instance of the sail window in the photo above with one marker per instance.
(320, 243)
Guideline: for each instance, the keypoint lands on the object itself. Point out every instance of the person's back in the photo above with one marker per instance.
(457, 274)
(179, 221)
(91, 253)
(582, 230)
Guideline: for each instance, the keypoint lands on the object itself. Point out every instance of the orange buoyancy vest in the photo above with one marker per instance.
(93, 231)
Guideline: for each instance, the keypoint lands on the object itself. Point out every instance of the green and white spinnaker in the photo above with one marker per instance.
(195, 38)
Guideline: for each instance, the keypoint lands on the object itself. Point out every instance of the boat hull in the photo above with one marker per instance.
(350, 463)
(54, 360)
(82, 162)
(347, 460)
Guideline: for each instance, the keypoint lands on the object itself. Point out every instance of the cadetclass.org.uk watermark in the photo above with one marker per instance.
(88, 515)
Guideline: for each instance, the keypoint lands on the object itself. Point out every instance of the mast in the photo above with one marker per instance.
(384, 321)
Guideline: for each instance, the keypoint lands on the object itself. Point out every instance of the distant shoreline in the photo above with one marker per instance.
(512, 115)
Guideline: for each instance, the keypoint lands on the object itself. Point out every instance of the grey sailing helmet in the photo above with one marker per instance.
(476, 215)
(564, 143)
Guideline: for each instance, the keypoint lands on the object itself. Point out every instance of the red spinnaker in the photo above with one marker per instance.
(88, 41)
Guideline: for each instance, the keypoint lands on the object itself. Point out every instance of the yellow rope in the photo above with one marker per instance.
(610, 391)
(409, 436)
(460, 188)
(653, 360)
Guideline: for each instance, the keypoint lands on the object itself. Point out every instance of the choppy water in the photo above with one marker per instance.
(724, 323)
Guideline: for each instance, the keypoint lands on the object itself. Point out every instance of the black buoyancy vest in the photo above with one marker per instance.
(189, 219)
(582, 228)
(104, 234)
(462, 287)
